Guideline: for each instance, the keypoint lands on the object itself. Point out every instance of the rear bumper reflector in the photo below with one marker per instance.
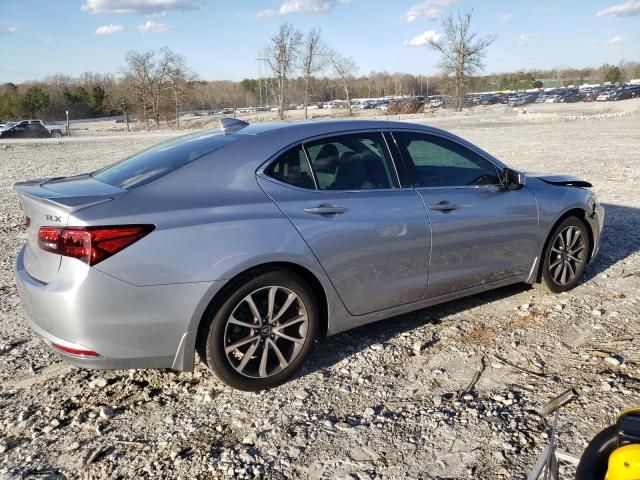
(74, 351)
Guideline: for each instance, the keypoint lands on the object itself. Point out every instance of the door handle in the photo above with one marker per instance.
(325, 209)
(443, 206)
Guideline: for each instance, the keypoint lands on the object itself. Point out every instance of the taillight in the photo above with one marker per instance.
(90, 244)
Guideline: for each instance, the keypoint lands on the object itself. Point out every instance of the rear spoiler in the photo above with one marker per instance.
(34, 189)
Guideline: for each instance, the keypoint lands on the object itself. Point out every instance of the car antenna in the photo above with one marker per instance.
(232, 124)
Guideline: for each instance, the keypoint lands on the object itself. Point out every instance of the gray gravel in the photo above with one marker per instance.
(387, 401)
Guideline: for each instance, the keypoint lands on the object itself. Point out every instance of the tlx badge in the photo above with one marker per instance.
(52, 218)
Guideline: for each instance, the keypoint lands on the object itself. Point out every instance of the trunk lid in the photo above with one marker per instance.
(51, 202)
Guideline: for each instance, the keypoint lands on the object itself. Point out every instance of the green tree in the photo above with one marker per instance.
(33, 101)
(612, 74)
(97, 98)
(9, 102)
(250, 85)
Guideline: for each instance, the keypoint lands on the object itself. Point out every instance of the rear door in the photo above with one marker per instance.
(481, 232)
(371, 237)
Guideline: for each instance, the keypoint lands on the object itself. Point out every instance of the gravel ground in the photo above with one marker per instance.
(387, 401)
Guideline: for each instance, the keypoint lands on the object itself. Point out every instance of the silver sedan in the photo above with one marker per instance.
(248, 243)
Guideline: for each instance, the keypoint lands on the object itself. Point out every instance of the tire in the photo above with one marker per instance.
(234, 322)
(56, 135)
(562, 268)
(594, 460)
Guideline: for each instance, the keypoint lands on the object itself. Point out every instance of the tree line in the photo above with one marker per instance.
(155, 86)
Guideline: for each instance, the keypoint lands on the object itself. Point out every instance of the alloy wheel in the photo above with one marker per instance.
(568, 255)
(265, 332)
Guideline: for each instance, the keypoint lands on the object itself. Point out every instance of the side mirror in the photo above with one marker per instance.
(512, 179)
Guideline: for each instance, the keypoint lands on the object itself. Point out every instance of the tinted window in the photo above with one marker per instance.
(292, 168)
(442, 163)
(163, 158)
(352, 162)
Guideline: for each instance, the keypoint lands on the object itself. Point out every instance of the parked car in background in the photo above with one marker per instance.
(31, 129)
(314, 228)
(489, 99)
(606, 96)
(517, 100)
(435, 102)
(571, 98)
(622, 95)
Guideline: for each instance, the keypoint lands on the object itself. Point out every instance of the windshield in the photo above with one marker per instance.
(164, 158)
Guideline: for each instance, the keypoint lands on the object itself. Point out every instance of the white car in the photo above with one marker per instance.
(435, 102)
(552, 99)
(517, 100)
(605, 96)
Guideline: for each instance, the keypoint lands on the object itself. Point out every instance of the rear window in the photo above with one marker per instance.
(164, 158)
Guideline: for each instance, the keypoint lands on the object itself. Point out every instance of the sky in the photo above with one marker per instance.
(221, 39)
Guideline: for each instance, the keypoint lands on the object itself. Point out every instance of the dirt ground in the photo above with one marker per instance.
(386, 401)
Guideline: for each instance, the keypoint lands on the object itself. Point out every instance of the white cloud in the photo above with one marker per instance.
(546, 8)
(8, 30)
(627, 9)
(526, 39)
(429, 9)
(424, 38)
(48, 41)
(153, 27)
(138, 7)
(614, 40)
(505, 17)
(109, 29)
(305, 7)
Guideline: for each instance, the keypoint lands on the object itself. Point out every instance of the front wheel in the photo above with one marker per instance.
(565, 256)
(262, 332)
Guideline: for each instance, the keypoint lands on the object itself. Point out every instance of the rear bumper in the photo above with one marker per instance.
(126, 325)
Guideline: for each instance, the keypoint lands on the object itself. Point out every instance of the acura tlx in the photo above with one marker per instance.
(247, 243)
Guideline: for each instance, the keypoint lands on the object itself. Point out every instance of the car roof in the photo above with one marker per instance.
(325, 126)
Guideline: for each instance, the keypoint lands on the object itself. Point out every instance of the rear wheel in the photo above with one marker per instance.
(262, 333)
(56, 134)
(565, 257)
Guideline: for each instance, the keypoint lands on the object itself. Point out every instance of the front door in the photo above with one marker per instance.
(371, 237)
(481, 232)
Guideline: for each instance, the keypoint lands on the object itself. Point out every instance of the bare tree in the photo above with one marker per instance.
(462, 51)
(344, 69)
(280, 55)
(180, 80)
(120, 95)
(139, 71)
(313, 61)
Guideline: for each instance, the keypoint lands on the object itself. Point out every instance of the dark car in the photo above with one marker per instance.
(623, 95)
(572, 98)
(489, 99)
(30, 129)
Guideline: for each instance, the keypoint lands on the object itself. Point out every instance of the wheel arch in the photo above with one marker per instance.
(229, 286)
(573, 212)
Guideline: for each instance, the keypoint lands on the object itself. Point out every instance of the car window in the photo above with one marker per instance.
(292, 168)
(164, 158)
(358, 161)
(443, 163)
